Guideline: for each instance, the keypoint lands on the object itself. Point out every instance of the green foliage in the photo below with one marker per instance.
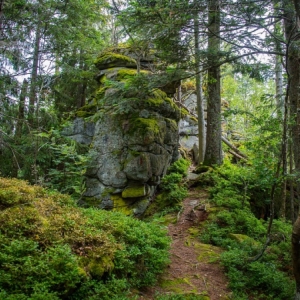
(142, 253)
(180, 166)
(172, 190)
(47, 158)
(68, 163)
(50, 248)
(234, 227)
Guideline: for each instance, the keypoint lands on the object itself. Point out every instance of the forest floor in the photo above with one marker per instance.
(194, 268)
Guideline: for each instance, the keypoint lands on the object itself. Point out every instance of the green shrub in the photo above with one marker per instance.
(51, 249)
(268, 278)
(180, 166)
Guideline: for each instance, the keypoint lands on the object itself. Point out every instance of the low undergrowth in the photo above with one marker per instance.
(233, 226)
(172, 190)
(52, 249)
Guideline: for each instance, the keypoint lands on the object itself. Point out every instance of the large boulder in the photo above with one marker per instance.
(135, 138)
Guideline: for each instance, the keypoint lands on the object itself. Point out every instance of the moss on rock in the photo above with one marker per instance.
(110, 59)
(121, 205)
(135, 191)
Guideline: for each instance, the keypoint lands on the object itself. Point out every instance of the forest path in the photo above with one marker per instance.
(194, 268)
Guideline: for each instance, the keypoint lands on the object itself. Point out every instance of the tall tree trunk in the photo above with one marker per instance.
(213, 154)
(278, 65)
(200, 105)
(279, 85)
(297, 8)
(291, 184)
(1, 15)
(21, 113)
(296, 256)
(34, 73)
(291, 25)
(293, 71)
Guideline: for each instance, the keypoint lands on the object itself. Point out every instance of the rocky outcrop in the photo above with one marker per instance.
(134, 141)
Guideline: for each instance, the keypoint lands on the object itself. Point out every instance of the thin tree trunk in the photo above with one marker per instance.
(279, 85)
(278, 65)
(213, 154)
(21, 113)
(282, 212)
(1, 15)
(291, 184)
(293, 72)
(34, 73)
(200, 105)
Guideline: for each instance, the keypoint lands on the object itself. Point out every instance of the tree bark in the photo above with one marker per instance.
(293, 72)
(291, 25)
(21, 113)
(199, 94)
(296, 255)
(279, 85)
(34, 73)
(213, 154)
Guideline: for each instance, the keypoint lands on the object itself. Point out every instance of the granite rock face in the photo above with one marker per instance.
(135, 138)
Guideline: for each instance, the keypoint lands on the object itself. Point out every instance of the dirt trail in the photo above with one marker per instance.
(194, 267)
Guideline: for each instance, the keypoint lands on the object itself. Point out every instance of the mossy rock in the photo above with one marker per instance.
(121, 205)
(203, 169)
(87, 110)
(135, 191)
(108, 60)
(147, 130)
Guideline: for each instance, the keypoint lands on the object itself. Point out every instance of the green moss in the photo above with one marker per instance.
(111, 59)
(157, 93)
(155, 101)
(193, 231)
(83, 114)
(121, 205)
(242, 238)
(183, 112)
(174, 285)
(183, 286)
(134, 191)
(203, 169)
(50, 244)
(87, 110)
(144, 126)
(125, 73)
(100, 93)
(172, 124)
(207, 253)
(97, 266)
